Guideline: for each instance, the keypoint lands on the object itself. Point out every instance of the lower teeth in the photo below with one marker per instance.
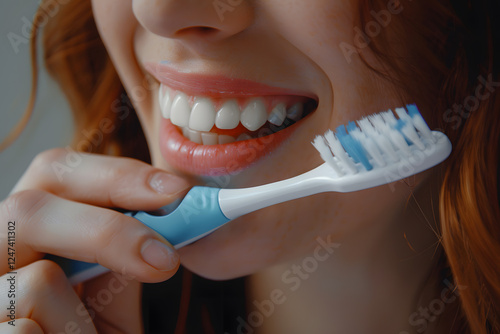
(211, 138)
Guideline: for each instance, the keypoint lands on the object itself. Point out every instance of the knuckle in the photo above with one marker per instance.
(40, 171)
(27, 326)
(119, 178)
(126, 169)
(47, 275)
(44, 159)
(39, 282)
(114, 232)
(21, 203)
(110, 226)
(124, 176)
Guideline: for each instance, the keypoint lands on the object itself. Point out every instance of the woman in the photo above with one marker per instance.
(414, 256)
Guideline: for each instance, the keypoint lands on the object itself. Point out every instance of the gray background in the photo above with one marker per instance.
(51, 123)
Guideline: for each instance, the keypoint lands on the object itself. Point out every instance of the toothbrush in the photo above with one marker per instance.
(379, 150)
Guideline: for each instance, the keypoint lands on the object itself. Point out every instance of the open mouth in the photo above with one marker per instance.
(217, 125)
(219, 121)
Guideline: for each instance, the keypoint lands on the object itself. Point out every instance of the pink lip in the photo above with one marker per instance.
(214, 160)
(211, 160)
(215, 85)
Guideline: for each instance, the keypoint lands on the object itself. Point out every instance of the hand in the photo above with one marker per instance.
(67, 215)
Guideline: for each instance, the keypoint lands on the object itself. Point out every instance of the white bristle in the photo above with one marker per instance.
(382, 137)
(379, 124)
(326, 154)
(366, 126)
(339, 152)
(421, 126)
(386, 146)
(412, 135)
(374, 151)
(403, 115)
(399, 141)
(393, 135)
(389, 118)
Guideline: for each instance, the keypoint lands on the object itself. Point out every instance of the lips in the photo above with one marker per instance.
(212, 125)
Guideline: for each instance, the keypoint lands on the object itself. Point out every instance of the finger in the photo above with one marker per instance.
(49, 224)
(22, 326)
(41, 292)
(102, 180)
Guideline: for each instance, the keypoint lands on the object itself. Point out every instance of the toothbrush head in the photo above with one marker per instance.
(403, 146)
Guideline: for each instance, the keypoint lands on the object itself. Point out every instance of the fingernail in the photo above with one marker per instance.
(168, 184)
(159, 255)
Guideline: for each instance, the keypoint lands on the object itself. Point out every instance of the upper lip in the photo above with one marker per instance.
(216, 85)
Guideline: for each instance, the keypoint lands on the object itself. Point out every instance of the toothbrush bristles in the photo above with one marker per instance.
(326, 154)
(376, 141)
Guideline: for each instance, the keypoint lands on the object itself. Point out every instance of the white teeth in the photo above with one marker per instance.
(295, 112)
(202, 116)
(160, 95)
(278, 115)
(185, 132)
(166, 105)
(197, 121)
(244, 136)
(180, 110)
(224, 139)
(195, 136)
(254, 116)
(210, 138)
(228, 117)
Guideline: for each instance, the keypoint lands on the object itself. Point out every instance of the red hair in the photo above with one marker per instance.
(453, 57)
(446, 47)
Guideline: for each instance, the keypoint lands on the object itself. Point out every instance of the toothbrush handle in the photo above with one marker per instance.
(197, 215)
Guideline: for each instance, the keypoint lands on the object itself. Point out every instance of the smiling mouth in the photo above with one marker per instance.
(222, 120)
(218, 125)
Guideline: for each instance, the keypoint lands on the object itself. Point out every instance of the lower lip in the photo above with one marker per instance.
(214, 160)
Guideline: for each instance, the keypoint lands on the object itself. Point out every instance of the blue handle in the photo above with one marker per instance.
(196, 216)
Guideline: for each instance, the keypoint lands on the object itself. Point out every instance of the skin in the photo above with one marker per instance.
(370, 284)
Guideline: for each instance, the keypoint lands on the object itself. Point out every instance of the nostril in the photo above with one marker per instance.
(201, 31)
(206, 29)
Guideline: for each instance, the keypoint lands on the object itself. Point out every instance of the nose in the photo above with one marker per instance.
(194, 19)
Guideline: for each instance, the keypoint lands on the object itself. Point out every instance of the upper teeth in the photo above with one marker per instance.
(254, 115)
(180, 112)
(201, 115)
(228, 117)
(278, 114)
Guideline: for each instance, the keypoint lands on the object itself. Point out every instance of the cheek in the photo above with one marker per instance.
(119, 29)
(324, 25)
(116, 23)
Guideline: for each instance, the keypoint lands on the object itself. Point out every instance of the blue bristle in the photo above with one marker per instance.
(353, 147)
(412, 110)
(399, 126)
(351, 126)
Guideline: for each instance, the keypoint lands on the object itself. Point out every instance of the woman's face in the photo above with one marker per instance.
(220, 68)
